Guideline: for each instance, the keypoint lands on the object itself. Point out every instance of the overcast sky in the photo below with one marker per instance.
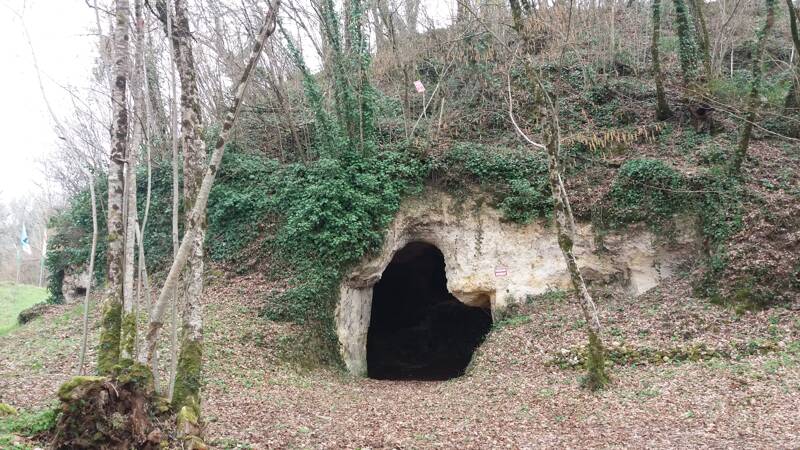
(60, 32)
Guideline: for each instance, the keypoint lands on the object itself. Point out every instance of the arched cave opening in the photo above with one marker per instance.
(418, 330)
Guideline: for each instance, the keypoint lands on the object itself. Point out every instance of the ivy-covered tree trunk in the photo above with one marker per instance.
(341, 64)
(702, 34)
(696, 88)
(187, 378)
(755, 89)
(662, 108)
(109, 350)
(687, 47)
(516, 13)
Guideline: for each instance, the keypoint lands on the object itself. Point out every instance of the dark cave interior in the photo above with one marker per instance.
(418, 330)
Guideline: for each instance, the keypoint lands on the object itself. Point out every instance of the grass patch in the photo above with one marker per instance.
(13, 299)
(27, 423)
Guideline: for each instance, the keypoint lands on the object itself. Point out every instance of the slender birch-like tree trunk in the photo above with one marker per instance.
(173, 114)
(755, 90)
(187, 378)
(85, 335)
(130, 300)
(596, 377)
(109, 349)
(198, 208)
(412, 14)
(562, 211)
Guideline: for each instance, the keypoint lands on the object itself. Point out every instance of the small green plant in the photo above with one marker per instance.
(553, 295)
(513, 321)
(29, 423)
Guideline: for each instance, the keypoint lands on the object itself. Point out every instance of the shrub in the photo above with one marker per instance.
(647, 190)
(516, 179)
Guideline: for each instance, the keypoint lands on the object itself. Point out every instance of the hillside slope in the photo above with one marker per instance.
(743, 390)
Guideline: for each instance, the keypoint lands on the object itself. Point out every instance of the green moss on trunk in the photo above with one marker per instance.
(128, 334)
(65, 392)
(596, 377)
(189, 376)
(108, 352)
(130, 372)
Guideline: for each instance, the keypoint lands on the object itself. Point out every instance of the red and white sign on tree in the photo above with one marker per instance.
(419, 86)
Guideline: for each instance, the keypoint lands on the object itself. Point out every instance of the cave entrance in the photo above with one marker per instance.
(418, 330)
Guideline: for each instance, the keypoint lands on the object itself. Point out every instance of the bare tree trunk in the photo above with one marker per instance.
(662, 108)
(288, 116)
(755, 90)
(390, 21)
(173, 113)
(187, 379)
(197, 213)
(462, 10)
(412, 13)
(564, 220)
(380, 37)
(792, 103)
(565, 227)
(109, 351)
(129, 302)
(85, 336)
(128, 329)
(157, 115)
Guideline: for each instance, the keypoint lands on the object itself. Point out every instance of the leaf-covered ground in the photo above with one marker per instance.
(513, 395)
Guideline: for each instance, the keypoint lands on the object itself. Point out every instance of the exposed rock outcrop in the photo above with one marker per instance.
(493, 263)
(74, 286)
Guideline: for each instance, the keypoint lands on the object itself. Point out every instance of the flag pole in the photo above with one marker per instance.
(19, 261)
(41, 258)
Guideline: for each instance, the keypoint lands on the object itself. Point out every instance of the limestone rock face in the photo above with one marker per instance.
(74, 286)
(493, 263)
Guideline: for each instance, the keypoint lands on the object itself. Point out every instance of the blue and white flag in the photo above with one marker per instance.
(24, 242)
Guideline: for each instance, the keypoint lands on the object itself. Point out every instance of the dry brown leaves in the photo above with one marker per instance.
(509, 398)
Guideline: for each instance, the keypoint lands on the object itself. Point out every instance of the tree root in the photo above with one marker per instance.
(121, 412)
